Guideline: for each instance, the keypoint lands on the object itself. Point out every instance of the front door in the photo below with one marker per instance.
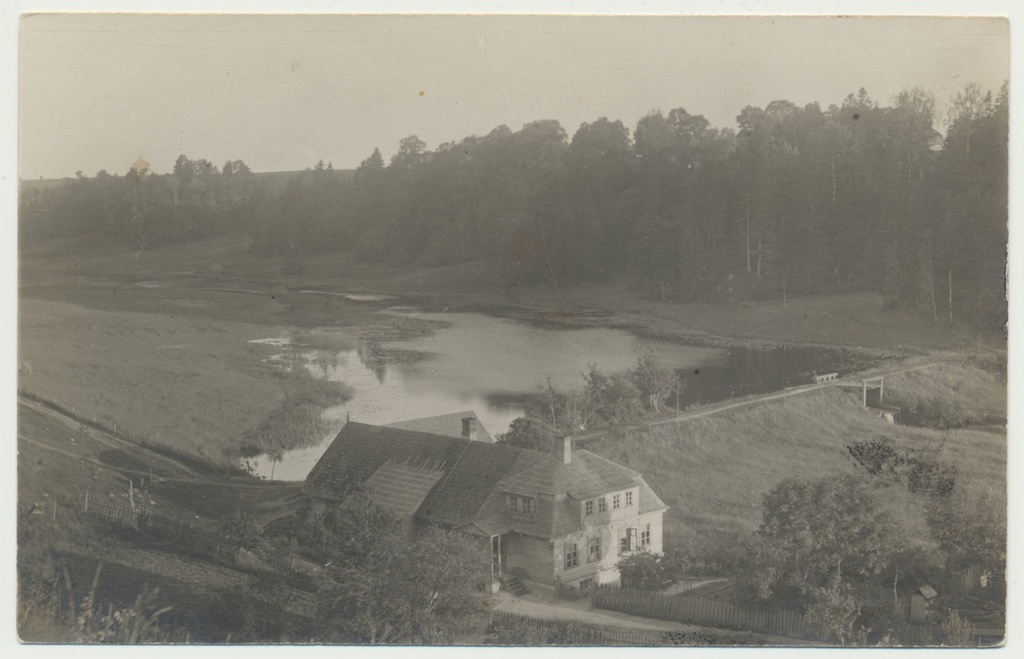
(498, 559)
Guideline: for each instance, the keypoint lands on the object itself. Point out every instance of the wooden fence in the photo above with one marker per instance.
(167, 528)
(704, 612)
(517, 629)
(127, 516)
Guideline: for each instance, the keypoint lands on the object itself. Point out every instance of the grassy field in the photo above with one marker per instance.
(714, 471)
(59, 545)
(157, 345)
(192, 387)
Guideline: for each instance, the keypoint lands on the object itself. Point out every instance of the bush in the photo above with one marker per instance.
(528, 432)
(51, 615)
(242, 531)
(956, 631)
(613, 399)
(646, 571)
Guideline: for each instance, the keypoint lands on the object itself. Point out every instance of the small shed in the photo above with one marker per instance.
(919, 602)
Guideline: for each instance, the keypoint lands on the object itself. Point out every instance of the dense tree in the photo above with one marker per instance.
(861, 196)
(614, 398)
(970, 527)
(381, 587)
(822, 532)
(528, 432)
(653, 381)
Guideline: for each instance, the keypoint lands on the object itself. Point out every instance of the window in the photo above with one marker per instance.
(615, 502)
(629, 498)
(571, 556)
(645, 536)
(589, 507)
(520, 505)
(602, 505)
(627, 540)
(594, 550)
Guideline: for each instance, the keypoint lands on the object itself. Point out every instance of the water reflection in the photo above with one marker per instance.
(491, 365)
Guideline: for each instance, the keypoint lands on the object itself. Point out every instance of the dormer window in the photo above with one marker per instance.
(520, 505)
(629, 498)
(615, 501)
(602, 505)
(588, 508)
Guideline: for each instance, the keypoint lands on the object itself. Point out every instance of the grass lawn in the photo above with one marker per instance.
(714, 471)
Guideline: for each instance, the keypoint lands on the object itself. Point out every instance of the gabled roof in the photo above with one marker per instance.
(360, 449)
(445, 424)
(401, 488)
(462, 484)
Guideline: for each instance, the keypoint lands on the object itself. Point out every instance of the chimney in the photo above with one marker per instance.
(469, 428)
(567, 450)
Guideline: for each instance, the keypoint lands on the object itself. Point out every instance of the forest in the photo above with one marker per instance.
(859, 196)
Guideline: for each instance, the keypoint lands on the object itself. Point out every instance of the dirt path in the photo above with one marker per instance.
(164, 467)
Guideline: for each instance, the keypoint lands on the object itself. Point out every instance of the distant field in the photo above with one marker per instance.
(852, 320)
(103, 329)
(715, 470)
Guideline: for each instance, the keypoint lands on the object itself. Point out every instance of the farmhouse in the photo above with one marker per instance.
(564, 517)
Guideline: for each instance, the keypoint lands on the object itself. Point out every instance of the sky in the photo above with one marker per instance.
(98, 91)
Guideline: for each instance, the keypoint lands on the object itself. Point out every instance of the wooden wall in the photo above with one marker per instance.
(529, 558)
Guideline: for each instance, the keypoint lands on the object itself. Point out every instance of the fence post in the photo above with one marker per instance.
(86, 508)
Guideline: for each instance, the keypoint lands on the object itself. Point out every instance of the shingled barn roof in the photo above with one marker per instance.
(462, 484)
(445, 424)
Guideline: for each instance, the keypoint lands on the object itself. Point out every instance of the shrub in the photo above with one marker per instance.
(242, 531)
(645, 571)
(956, 631)
(528, 432)
(51, 615)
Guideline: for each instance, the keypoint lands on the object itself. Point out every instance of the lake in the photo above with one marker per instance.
(490, 365)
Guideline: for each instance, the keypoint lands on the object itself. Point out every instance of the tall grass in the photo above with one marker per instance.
(53, 614)
(952, 395)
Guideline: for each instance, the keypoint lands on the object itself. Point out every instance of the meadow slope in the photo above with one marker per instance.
(714, 471)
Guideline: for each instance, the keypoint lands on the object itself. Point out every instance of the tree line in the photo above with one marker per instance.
(858, 196)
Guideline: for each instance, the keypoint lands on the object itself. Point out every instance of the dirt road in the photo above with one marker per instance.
(718, 408)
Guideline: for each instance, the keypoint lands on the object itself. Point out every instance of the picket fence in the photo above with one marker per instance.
(704, 612)
(166, 528)
(567, 632)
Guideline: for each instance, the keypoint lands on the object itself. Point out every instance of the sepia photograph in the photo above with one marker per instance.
(512, 329)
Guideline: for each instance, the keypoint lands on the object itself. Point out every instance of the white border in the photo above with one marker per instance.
(9, 13)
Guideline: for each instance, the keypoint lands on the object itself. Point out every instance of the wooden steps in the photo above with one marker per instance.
(515, 586)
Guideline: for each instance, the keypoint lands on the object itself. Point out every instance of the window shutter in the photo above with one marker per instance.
(632, 539)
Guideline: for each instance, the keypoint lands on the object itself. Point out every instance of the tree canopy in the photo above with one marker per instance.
(381, 587)
(819, 532)
(856, 196)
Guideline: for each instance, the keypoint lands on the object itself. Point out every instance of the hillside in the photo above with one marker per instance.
(714, 471)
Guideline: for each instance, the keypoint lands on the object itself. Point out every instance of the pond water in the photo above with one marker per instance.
(490, 365)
